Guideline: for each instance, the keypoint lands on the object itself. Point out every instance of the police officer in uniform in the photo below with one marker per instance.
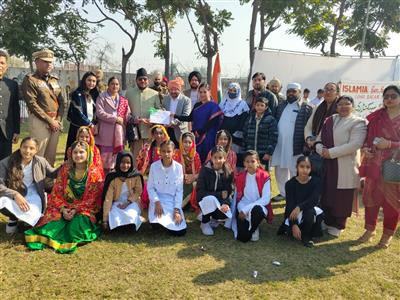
(42, 94)
(9, 109)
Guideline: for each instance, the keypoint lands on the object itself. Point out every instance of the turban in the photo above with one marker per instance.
(176, 83)
(294, 85)
(195, 74)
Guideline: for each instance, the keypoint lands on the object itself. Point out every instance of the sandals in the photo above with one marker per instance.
(385, 241)
(367, 236)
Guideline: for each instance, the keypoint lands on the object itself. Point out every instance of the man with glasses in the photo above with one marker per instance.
(292, 115)
(141, 99)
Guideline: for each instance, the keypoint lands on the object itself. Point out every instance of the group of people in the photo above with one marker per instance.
(213, 157)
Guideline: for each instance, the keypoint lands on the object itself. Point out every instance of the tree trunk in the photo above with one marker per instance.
(78, 67)
(125, 59)
(336, 27)
(31, 64)
(167, 45)
(253, 24)
(209, 68)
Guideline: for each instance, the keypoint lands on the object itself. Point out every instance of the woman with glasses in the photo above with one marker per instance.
(339, 141)
(383, 139)
(324, 110)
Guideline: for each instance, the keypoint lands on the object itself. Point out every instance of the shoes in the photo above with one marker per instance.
(385, 241)
(255, 236)
(366, 237)
(214, 223)
(206, 229)
(11, 227)
(334, 231)
(308, 244)
(278, 198)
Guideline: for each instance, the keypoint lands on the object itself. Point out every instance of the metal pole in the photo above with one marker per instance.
(365, 29)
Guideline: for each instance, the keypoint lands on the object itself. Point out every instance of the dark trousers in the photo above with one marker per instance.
(216, 215)
(337, 222)
(308, 227)
(10, 216)
(5, 146)
(244, 234)
(156, 226)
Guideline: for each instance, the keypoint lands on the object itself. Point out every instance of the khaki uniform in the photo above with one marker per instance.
(45, 102)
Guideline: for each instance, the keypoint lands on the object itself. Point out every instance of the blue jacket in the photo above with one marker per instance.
(77, 111)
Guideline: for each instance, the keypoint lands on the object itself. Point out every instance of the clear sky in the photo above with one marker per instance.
(233, 48)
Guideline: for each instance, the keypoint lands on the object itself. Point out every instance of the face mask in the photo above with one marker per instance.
(232, 95)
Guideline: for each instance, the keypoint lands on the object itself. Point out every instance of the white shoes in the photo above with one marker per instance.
(11, 227)
(206, 229)
(255, 236)
(334, 231)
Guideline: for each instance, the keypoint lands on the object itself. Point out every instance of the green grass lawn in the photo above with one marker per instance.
(145, 265)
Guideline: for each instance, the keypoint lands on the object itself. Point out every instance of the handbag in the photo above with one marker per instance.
(391, 168)
(317, 163)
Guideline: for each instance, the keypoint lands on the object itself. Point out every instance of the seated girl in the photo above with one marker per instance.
(224, 139)
(22, 187)
(122, 190)
(253, 199)
(85, 134)
(187, 156)
(165, 188)
(302, 216)
(150, 152)
(70, 216)
(214, 188)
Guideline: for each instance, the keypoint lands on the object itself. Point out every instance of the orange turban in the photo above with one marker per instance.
(176, 83)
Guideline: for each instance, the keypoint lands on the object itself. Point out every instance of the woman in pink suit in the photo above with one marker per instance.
(113, 113)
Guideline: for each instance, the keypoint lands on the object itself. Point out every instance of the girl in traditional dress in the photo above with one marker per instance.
(85, 134)
(214, 189)
(72, 205)
(224, 139)
(253, 199)
(384, 124)
(150, 152)
(113, 113)
(122, 190)
(302, 217)
(165, 188)
(206, 118)
(22, 175)
(190, 160)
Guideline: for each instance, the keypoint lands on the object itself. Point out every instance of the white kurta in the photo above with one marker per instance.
(283, 154)
(129, 215)
(166, 185)
(251, 198)
(34, 213)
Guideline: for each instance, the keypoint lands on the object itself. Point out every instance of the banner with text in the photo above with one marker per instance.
(367, 95)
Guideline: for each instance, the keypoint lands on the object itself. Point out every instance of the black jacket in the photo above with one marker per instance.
(303, 114)
(212, 183)
(9, 107)
(267, 135)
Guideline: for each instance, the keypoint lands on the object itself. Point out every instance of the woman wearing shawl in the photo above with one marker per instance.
(72, 205)
(85, 134)
(188, 157)
(326, 109)
(82, 108)
(235, 111)
(122, 191)
(112, 111)
(150, 152)
(206, 118)
(384, 124)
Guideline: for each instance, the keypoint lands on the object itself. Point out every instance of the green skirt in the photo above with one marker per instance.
(63, 236)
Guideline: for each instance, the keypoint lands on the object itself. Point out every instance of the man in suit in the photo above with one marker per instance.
(194, 82)
(9, 109)
(177, 104)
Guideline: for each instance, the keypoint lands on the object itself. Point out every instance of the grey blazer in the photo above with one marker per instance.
(40, 170)
(182, 109)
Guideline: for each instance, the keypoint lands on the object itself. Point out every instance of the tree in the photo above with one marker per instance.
(213, 24)
(102, 54)
(25, 25)
(73, 32)
(131, 11)
(384, 17)
(165, 12)
(271, 14)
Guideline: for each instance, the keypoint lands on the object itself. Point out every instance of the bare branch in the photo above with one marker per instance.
(196, 38)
